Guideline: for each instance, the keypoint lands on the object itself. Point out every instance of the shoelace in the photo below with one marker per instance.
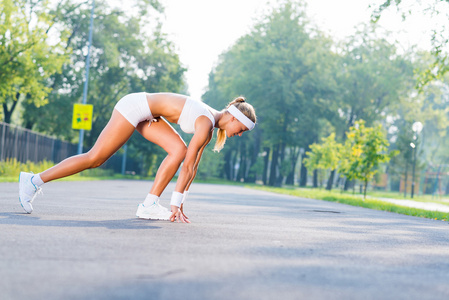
(37, 192)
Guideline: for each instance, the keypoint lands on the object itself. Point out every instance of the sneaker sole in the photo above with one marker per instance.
(152, 218)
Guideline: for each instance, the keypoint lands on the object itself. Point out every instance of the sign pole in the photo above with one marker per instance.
(81, 135)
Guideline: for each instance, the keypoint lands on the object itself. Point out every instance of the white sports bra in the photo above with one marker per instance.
(190, 112)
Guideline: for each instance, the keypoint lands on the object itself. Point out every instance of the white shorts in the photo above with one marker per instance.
(135, 109)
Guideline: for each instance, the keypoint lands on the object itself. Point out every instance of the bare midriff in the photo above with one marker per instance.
(167, 105)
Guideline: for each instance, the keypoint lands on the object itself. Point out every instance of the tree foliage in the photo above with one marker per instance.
(28, 56)
(439, 37)
(372, 79)
(284, 69)
(324, 156)
(303, 85)
(364, 150)
(124, 59)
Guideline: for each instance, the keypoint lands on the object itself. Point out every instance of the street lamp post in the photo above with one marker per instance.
(416, 127)
(414, 163)
(86, 82)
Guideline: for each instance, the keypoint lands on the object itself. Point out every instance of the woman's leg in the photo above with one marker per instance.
(114, 135)
(163, 135)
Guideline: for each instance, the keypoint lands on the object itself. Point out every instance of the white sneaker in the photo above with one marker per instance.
(155, 212)
(27, 191)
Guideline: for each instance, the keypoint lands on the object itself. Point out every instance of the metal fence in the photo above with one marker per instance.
(25, 145)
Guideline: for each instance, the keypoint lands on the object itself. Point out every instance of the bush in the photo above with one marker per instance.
(11, 168)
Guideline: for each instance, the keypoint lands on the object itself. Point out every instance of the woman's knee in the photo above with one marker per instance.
(94, 160)
(179, 152)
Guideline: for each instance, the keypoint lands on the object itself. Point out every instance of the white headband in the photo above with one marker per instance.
(241, 117)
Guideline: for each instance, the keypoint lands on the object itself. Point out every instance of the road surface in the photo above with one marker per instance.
(84, 242)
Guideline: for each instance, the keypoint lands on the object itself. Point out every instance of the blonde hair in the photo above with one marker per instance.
(246, 108)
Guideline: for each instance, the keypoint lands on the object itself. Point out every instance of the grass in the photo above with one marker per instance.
(378, 194)
(355, 200)
(10, 170)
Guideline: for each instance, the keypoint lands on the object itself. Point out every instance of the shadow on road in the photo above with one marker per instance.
(14, 218)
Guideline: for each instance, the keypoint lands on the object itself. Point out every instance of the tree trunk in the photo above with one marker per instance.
(330, 181)
(364, 191)
(294, 159)
(252, 176)
(303, 176)
(242, 168)
(228, 165)
(274, 166)
(265, 165)
(315, 178)
(8, 111)
(405, 180)
(280, 178)
(347, 184)
(339, 181)
(290, 177)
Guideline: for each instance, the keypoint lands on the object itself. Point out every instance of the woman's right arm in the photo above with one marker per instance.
(197, 162)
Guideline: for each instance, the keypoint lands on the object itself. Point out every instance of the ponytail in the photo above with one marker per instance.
(221, 140)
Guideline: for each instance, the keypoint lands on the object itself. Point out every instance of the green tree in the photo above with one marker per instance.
(430, 107)
(373, 78)
(364, 150)
(125, 58)
(324, 156)
(30, 53)
(283, 68)
(400, 165)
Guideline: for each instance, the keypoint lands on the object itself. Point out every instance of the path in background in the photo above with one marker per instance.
(83, 242)
(416, 204)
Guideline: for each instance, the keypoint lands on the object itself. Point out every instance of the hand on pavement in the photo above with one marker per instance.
(178, 215)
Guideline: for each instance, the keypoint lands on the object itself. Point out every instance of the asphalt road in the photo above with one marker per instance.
(84, 242)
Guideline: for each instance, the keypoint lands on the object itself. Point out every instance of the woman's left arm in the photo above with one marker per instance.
(196, 145)
(195, 170)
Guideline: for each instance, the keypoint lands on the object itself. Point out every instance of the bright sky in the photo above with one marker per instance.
(203, 29)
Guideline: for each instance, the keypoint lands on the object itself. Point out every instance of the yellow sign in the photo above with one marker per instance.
(82, 116)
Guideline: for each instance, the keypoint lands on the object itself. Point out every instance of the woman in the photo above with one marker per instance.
(132, 113)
